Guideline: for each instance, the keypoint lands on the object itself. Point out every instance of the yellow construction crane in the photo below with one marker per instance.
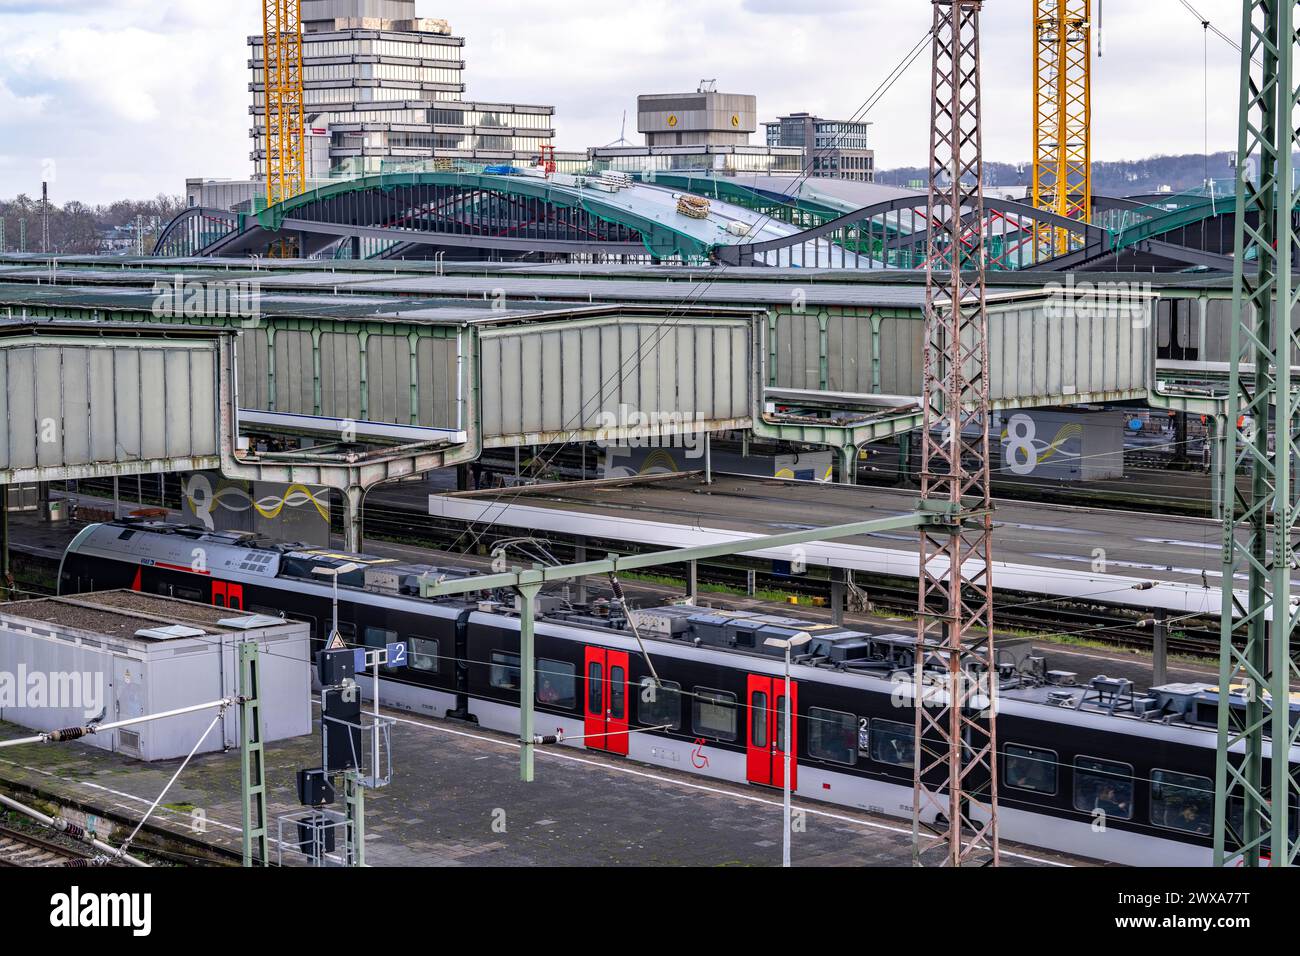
(286, 157)
(1063, 113)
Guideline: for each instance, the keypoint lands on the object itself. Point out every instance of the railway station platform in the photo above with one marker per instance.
(1103, 555)
(456, 800)
(43, 543)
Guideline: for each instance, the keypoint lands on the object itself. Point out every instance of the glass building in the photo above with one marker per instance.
(834, 149)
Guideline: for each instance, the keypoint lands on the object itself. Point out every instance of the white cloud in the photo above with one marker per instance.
(133, 96)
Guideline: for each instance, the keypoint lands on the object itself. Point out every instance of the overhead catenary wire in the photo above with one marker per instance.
(1208, 25)
(693, 294)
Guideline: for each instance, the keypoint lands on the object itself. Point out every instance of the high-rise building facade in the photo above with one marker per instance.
(833, 149)
(383, 87)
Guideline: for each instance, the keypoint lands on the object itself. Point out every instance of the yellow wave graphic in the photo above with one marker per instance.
(269, 507)
(1066, 433)
(660, 458)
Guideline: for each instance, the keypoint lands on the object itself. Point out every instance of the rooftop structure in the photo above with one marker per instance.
(704, 131)
(500, 212)
(703, 118)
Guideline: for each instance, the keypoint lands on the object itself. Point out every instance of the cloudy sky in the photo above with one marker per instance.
(126, 98)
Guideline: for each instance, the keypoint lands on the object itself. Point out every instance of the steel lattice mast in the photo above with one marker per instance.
(1062, 177)
(286, 169)
(956, 754)
(1252, 797)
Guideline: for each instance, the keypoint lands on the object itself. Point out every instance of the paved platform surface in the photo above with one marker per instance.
(456, 800)
(1171, 548)
(1039, 548)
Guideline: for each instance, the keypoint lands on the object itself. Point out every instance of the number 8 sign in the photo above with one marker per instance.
(1021, 455)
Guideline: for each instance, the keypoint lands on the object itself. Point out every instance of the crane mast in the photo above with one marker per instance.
(1062, 177)
(286, 169)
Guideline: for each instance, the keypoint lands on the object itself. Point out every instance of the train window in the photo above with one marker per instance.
(758, 718)
(617, 692)
(832, 736)
(504, 671)
(1182, 801)
(557, 683)
(423, 654)
(1029, 768)
(660, 705)
(1103, 785)
(595, 688)
(893, 743)
(714, 714)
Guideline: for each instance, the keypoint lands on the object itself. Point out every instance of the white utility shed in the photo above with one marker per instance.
(113, 655)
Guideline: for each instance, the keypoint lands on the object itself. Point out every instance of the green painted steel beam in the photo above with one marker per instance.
(661, 239)
(1253, 794)
(528, 584)
(252, 759)
(840, 436)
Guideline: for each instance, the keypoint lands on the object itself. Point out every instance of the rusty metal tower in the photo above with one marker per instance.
(955, 780)
(286, 137)
(1063, 113)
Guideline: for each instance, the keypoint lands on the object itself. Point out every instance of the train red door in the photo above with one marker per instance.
(228, 595)
(765, 731)
(606, 716)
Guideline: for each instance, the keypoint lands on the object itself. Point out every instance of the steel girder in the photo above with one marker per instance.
(911, 212)
(955, 776)
(1253, 793)
(403, 197)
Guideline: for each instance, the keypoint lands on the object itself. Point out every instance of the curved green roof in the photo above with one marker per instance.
(661, 239)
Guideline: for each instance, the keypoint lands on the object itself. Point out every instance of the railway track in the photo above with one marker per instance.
(18, 849)
(1088, 621)
(1080, 620)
